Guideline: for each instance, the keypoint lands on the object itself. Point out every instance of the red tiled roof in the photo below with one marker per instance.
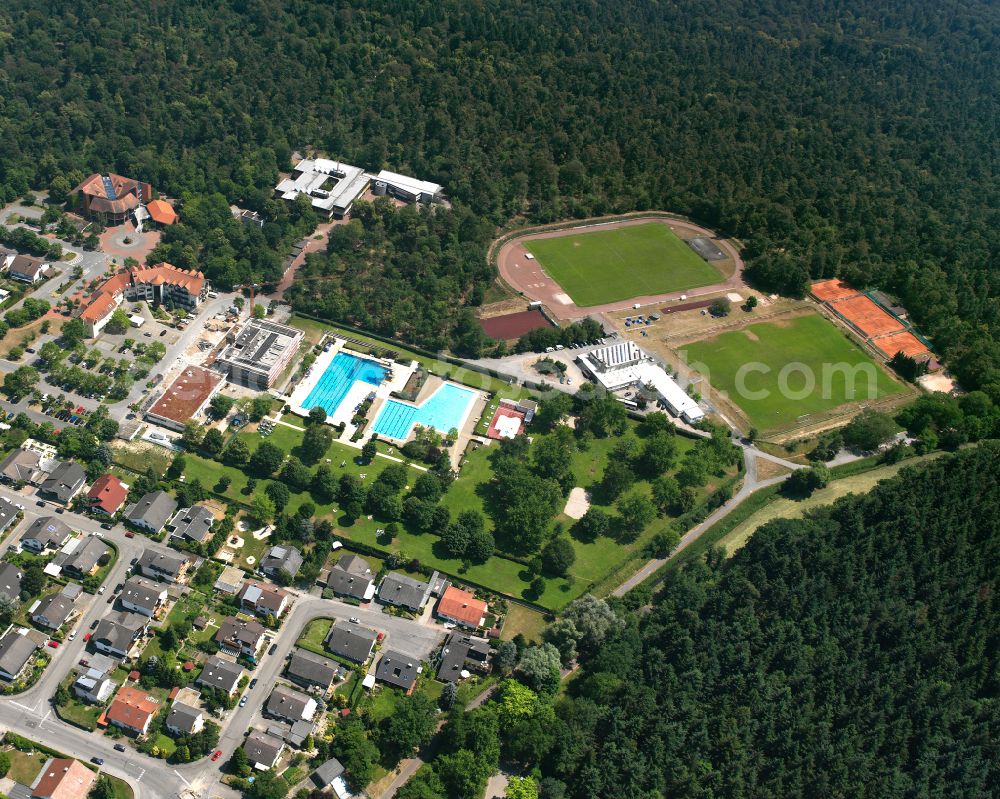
(161, 212)
(64, 779)
(182, 398)
(106, 298)
(132, 708)
(461, 606)
(108, 493)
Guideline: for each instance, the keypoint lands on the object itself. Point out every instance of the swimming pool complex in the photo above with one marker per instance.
(343, 372)
(444, 410)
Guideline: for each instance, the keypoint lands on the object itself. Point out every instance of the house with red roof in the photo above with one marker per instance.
(63, 778)
(132, 710)
(111, 198)
(107, 494)
(161, 212)
(461, 607)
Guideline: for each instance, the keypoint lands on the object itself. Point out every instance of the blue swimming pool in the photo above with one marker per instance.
(443, 410)
(342, 373)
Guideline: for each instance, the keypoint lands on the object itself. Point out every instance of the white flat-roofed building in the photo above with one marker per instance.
(406, 188)
(258, 354)
(624, 364)
(332, 186)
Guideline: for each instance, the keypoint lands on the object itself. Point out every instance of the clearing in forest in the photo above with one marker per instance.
(600, 266)
(777, 372)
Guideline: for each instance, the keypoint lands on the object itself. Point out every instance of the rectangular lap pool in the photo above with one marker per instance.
(342, 373)
(443, 410)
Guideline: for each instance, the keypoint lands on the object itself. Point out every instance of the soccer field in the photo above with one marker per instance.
(767, 368)
(617, 264)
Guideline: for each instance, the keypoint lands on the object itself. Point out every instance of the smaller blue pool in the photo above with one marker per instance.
(443, 410)
(342, 373)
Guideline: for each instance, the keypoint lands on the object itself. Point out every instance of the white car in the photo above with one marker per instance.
(102, 589)
(72, 635)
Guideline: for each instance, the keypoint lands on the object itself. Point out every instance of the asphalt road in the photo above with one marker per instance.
(30, 713)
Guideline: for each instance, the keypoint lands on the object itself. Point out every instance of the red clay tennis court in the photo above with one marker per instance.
(904, 342)
(868, 317)
(831, 290)
(513, 325)
(507, 422)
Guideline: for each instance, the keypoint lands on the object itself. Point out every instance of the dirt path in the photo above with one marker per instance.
(527, 276)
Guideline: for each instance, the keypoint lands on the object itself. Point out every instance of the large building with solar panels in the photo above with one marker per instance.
(111, 198)
(258, 354)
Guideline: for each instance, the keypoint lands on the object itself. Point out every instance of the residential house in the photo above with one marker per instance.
(328, 774)
(90, 554)
(167, 567)
(263, 750)
(237, 637)
(185, 720)
(193, 524)
(54, 611)
(281, 559)
(230, 581)
(93, 686)
(311, 671)
(397, 669)
(351, 576)
(461, 653)
(8, 512)
(151, 512)
(63, 778)
(461, 607)
(292, 706)
(132, 710)
(10, 580)
(221, 673)
(402, 591)
(64, 483)
(22, 466)
(107, 495)
(351, 641)
(26, 269)
(263, 599)
(45, 533)
(16, 652)
(142, 596)
(115, 635)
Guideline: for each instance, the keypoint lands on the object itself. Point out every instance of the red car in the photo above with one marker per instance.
(54, 644)
(130, 534)
(216, 754)
(84, 662)
(87, 636)
(379, 637)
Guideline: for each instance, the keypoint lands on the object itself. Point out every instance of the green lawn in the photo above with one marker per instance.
(122, 789)
(748, 365)
(80, 713)
(24, 766)
(314, 634)
(601, 266)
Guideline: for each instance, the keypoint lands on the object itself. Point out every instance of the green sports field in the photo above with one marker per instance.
(748, 365)
(602, 266)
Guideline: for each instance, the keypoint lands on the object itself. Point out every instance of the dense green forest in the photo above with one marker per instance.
(853, 653)
(854, 137)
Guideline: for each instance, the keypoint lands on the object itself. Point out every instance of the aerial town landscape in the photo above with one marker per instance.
(501, 479)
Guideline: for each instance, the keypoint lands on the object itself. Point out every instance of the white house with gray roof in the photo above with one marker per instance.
(45, 533)
(403, 591)
(152, 512)
(142, 596)
(15, 653)
(192, 524)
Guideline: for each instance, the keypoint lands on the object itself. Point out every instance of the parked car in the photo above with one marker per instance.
(129, 534)
(253, 682)
(355, 620)
(87, 636)
(54, 644)
(96, 622)
(119, 747)
(40, 503)
(72, 636)
(97, 761)
(273, 649)
(107, 526)
(84, 662)
(102, 589)
(216, 754)
(243, 701)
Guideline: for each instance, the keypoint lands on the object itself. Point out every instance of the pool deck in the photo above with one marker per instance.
(465, 428)
(357, 393)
